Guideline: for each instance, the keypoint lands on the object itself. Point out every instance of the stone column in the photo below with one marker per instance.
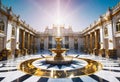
(80, 44)
(85, 50)
(17, 50)
(45, 43)
(87, 43)
(53, 42)
(96, 40)
(7, 50)
(110, 37)
(71, 42)
(84, 41)
(28, 43)
(17, 38)
(102, 49)
(33, 43)
(23, 39)
(91, 43)
(35, 49)
(101, 39)
(68, 42)
(63, 42)
(96, 43)
(111, 52)
(23, 42)
(9, 32)
(38, 44)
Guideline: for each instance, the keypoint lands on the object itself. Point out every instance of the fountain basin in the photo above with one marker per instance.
(82, 66)
(58, 52)
(63, 61)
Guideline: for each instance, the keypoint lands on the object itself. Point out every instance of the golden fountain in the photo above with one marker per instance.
(59, 58)
(58, 50)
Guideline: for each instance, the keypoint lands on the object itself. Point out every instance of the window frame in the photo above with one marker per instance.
(2, 26)
(118, 26)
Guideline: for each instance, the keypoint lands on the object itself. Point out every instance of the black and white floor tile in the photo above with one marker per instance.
(74, 65)
(110, 73)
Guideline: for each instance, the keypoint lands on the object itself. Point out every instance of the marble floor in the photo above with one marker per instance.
(9, 71)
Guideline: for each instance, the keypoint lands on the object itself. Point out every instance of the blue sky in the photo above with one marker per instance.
(76, 13)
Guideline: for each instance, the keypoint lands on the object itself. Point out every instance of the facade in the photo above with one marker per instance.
(101, 38)
(70, 39)
(16, 37)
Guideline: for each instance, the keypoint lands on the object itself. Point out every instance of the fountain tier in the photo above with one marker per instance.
(58, 58)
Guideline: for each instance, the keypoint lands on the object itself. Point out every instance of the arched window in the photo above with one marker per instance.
(13, 31)
(105, 31)
(118, 26)
(1, 26)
